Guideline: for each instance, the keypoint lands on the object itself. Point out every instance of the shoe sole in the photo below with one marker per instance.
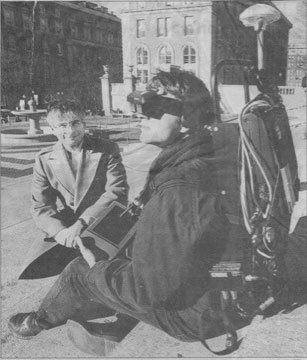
(88, 343)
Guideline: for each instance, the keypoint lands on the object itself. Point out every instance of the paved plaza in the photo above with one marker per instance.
(283, 335)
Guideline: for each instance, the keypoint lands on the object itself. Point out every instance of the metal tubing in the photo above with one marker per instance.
(260, 49)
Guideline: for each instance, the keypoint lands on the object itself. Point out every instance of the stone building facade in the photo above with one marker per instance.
(297, 65)
(58, 46)
(196, 36)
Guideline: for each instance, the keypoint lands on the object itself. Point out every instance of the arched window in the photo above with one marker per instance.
(189, 55)
(142, 56)
(165, 55)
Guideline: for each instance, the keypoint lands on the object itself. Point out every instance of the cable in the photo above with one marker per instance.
(248, 152)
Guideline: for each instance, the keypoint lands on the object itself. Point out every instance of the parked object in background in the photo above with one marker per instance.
(5, 115)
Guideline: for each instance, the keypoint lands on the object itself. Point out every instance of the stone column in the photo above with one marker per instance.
(106, 91)
(129, 81)
(129, 87)
(34, 127)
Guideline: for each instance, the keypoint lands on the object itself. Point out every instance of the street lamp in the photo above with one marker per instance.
(259, 16)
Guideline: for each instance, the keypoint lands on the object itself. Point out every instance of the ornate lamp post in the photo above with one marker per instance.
(259, 16)
(106, 90)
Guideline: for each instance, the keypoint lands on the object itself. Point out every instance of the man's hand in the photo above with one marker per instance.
(87, 254)
(68, 237)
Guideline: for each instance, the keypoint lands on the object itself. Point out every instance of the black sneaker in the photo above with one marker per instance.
(113, 331)
(25, 325)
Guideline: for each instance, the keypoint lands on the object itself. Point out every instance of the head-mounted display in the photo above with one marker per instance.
(152, 105)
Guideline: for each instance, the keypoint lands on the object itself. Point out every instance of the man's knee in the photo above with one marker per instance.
(77, 266)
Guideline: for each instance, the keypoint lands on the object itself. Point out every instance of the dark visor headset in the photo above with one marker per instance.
(152, 105)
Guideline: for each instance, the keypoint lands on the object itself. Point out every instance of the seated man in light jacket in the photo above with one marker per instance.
(72, 182)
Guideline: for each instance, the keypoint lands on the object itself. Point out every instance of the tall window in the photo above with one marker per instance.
(189, 55)
(93, 34)
(43, 23)
(86, 33)
(46, 47)
(75, 52)
(188, 25)
(80, 31)
(102, 36)
(47, 74)
(59, 48)
(98, 35)
(88, 53)
(163, 26)
(165, 55)
(26, 21)
(57, 12)
(51, 24)
(142, 65)
(73, 29)
(142, 76)
(12, 42)
(42, 10)
(140, 28)
(142, 56)
(58, 27)
(9, 16)
(110, 38)
(28, 44)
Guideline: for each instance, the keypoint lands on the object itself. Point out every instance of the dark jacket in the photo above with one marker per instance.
(181, 233)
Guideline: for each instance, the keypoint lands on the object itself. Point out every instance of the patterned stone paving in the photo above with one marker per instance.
(15, 173)
(16, 161)
(14, 167)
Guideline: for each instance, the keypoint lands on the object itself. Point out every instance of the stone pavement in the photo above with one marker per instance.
(282, 335)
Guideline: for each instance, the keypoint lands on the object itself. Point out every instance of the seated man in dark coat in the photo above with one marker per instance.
(181, 232)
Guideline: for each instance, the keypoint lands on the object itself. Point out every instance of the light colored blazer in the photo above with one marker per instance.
(100, 179)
